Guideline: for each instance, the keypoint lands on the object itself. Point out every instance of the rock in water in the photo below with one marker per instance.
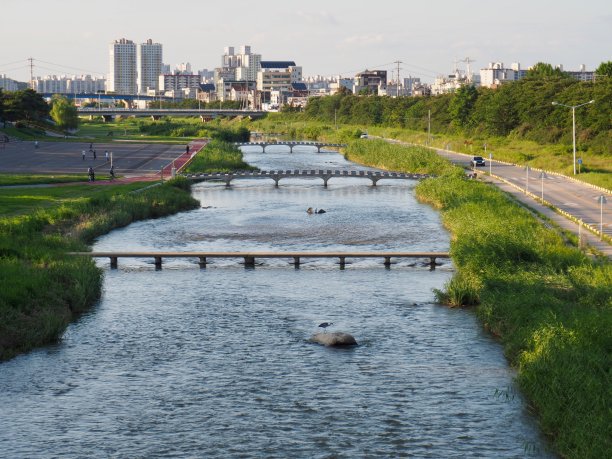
(334, 339)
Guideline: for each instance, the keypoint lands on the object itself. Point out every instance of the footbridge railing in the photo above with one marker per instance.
(326, 175)
(291, 144)
(250, 257)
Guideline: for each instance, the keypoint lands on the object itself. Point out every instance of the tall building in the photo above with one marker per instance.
(123, 71)
(149, 62)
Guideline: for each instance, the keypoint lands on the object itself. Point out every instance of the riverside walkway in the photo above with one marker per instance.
(250, 257)
(290, 144)
(374, 176)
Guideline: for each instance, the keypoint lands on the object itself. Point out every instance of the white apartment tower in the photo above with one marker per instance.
(122, 76)
(149, 66)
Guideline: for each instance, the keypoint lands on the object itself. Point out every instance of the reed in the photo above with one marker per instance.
(43, 288)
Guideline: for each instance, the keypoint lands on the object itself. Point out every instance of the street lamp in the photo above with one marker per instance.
(574, 107)
(527, 181)
(602, 200)
(543, 176)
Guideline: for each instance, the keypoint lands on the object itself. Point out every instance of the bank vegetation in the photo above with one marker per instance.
(43, 288)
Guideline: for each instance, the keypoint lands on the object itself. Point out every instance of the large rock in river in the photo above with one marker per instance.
(334, 339)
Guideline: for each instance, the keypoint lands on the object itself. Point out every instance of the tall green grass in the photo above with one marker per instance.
(43, 289)
(548, 303)
(217, 156)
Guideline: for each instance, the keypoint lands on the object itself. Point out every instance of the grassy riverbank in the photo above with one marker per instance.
(217, 156)
(552, 157)
(43, 288)
(547, 303)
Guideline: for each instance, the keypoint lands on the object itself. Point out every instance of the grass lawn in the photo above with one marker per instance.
(22, 200)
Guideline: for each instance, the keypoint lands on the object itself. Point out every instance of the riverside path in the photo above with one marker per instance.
(572, 201)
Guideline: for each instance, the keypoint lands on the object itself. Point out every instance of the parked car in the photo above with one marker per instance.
(478, 161)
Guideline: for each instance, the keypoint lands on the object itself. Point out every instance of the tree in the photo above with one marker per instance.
(64, 113)
(25, 105)
(604, 69)
(461, 105)
(544, 70)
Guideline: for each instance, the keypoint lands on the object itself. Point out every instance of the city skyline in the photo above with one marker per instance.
(325, 39)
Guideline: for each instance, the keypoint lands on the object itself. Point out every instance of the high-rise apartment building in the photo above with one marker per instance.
(123, 70)
(149, 66)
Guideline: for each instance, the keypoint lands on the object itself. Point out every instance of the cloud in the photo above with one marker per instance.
(363, 40)
(317, 17)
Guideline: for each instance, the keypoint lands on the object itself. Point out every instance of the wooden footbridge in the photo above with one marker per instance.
(374, 176)
(290, 144)
(250, 257)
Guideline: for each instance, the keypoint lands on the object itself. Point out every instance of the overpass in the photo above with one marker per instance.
(157, 113)
(374, 176)
(290, 144)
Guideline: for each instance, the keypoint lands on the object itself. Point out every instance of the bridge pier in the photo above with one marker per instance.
(158, 263)
(202, 262)
(249, 262)
(325, 179)
(228, 180)
(432, 263)
(318, 148)
(342, 262)
(290, 148)
(296, 262)
(155, 117)
(113, 262)
(276, 179)
(374, 179)
(387, 262)
(107, 118)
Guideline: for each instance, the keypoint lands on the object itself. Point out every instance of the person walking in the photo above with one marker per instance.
(90, 173)
(112, 173)
(36, 144)
(106, 155)
(83, 154)
(94, 154)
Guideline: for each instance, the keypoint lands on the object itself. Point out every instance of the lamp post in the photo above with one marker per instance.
(574, 107)
(602, 200)
(542, 177)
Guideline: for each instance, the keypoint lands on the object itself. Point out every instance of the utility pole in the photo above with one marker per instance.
(428, 127)
(397, 91)
(31, 59)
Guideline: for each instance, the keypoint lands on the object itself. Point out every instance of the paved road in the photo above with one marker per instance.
(577, 199)
(66, 157)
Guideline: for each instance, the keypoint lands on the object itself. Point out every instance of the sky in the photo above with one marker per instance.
(325, 37)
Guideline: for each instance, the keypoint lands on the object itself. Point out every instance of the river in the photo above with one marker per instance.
(216, 362)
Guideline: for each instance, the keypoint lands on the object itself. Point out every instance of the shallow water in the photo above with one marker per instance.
(185, 362)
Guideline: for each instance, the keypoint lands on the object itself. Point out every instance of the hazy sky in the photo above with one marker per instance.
(325, 37)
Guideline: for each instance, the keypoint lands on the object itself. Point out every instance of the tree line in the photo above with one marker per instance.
(28, 106)
(523, 109)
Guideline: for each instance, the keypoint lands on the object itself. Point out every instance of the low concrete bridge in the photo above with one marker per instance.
(374, 176)
(290, 144)
(249, 257)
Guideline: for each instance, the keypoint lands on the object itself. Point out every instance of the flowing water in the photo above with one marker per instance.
(184, 362)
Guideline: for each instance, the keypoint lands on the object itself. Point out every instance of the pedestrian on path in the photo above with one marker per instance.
(83, 155)
(94, 154)
(106, 155)
(187, 149)
(112, 173)
(91, 173)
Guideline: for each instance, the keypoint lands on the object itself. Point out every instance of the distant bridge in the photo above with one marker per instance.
(249, 257)
(374, 176)
(290, 144)
(156, 113)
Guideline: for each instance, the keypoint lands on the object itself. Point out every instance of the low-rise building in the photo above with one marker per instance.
(370, 81)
